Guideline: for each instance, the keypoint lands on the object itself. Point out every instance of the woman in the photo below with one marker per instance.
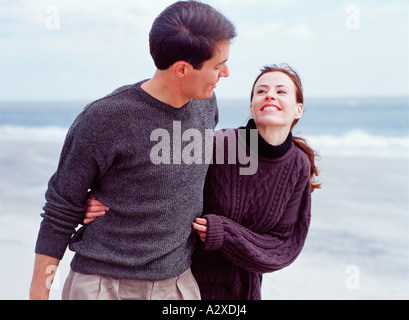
(258, 223)
(254, 224)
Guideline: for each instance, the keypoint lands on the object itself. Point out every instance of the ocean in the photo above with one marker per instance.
(358, 242)
(375, 127)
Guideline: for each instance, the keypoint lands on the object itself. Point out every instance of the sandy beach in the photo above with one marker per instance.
(357, 247)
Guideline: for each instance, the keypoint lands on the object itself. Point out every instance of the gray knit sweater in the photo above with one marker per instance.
(148, 233)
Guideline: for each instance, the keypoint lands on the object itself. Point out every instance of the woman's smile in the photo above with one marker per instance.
(270, 107)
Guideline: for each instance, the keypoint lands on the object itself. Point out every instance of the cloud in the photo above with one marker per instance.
(274, 29)
(301, 31)
(259, 30)
(105, 43)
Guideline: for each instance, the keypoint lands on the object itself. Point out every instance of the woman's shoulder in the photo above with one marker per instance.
(302, 161)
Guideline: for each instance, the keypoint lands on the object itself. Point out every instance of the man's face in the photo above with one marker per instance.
(200, 84)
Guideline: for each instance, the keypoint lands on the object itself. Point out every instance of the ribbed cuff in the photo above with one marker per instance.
(215, 232)
(51, 242)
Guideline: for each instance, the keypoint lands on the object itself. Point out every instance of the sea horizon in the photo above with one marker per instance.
(348, 126)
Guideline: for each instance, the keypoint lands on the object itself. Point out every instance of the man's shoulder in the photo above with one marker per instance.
(124, 97)
(123, 92)
(120, 96)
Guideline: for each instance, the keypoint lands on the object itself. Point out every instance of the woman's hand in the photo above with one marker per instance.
(95, 209)
(200, 225)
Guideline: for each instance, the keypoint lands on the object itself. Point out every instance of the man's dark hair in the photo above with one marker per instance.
(188, 30)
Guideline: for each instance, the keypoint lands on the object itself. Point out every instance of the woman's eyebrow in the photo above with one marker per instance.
(281, 85)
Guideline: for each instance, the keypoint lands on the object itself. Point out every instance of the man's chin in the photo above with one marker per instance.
(205, 96)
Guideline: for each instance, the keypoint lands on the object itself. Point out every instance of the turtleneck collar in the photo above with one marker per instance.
(265, 149)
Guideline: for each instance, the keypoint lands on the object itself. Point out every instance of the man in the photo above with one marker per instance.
(142, 249)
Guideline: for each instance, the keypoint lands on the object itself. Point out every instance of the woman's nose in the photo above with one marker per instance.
(270, 96)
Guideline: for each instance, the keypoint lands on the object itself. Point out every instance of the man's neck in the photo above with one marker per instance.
(164, 89)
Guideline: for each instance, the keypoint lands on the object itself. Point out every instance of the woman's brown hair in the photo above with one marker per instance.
(301, 143)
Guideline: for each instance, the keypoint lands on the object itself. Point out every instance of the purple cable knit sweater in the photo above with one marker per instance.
(256, 224)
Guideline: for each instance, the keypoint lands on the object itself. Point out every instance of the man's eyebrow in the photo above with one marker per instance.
(220, 63)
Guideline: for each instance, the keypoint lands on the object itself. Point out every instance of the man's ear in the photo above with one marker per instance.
(181, 68)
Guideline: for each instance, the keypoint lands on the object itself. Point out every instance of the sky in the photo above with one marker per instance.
(84, 49)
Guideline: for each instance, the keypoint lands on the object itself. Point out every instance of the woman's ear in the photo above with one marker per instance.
(299, 111)
(251, 111)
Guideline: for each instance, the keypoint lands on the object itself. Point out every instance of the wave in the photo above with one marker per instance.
(352, 143)
(361, 143)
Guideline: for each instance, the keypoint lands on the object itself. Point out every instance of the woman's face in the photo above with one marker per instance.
(274, 101)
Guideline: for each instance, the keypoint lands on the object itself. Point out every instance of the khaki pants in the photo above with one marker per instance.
(95, 287)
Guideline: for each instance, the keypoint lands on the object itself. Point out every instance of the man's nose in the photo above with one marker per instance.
(225, 71)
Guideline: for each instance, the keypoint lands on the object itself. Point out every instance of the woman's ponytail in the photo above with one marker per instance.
(302, 144)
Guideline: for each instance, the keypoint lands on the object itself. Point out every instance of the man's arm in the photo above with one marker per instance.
(45, 268)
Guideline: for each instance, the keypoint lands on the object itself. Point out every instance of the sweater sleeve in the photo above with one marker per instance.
(269, 251)
(66, 194)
